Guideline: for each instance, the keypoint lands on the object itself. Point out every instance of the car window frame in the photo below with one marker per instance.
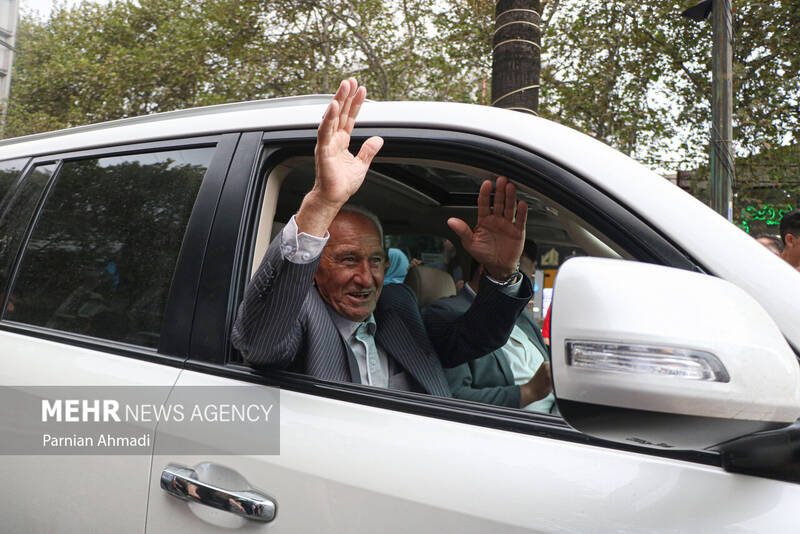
(174, 338)
(5, 200)
(12, 197)
(231, 244)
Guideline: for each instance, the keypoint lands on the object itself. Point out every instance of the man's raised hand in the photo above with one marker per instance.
(339, 174)
(496, 241)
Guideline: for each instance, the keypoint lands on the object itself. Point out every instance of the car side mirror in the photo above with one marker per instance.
(665, 358)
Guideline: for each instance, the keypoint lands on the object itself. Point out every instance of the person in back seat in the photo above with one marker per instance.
(316, 304)
(398, 267)
(517, 374)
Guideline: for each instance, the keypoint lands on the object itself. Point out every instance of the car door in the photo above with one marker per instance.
(358, 459)
(91, 241)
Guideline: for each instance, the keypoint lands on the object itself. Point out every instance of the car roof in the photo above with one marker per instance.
(180, 123)
(710, 239)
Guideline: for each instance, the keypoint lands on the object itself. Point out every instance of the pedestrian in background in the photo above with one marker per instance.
(790, 235)
(771, 242)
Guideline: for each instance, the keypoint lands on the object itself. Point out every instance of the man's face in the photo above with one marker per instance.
(791, 250)
(350, 273)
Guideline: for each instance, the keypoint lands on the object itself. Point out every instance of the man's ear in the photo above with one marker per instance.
(792, 240)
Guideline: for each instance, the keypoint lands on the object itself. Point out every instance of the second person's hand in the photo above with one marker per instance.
(497, 240)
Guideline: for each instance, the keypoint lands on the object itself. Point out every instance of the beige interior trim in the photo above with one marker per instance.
(587, 239)
(399, 187)
(483, 174)
(268, 205)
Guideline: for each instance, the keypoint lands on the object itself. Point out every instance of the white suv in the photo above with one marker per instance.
(125, 248)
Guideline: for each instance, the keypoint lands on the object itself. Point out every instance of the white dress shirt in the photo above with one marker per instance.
(524, 359)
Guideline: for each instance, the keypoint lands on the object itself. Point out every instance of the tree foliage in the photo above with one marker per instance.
(634, 74)
(607, 74)
(97, 62)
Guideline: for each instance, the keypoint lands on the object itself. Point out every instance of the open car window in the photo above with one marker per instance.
(414, 188)
(415, 197)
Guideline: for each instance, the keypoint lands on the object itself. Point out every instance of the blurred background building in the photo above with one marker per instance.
(9, 13)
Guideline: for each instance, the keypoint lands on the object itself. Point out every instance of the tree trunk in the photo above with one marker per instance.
(516, 56)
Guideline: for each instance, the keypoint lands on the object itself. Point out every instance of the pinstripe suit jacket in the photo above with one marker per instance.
(284, 323)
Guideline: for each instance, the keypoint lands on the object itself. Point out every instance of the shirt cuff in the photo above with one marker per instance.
(510, 290)
(513, 289)
(300, 247)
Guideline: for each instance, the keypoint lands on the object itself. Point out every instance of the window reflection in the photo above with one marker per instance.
(101, 257)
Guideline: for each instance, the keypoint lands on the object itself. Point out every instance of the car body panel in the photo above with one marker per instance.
(351, 467)
(78, 494)
(345, 467)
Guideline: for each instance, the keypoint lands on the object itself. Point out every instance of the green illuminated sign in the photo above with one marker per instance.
(770, 215)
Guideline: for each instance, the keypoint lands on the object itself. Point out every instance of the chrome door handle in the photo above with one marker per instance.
(181, 482)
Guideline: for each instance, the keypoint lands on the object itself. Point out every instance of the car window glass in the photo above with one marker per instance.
(101, 257)
(9, 172)
(14, 221)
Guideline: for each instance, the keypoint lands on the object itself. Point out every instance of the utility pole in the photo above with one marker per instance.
(516, 55)
(722, 163)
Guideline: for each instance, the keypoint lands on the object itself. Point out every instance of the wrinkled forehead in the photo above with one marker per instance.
(354, 230)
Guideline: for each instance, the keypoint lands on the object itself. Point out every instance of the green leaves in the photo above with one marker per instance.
(635, 75)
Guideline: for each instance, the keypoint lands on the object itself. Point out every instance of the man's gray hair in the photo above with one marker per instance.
(355, 208)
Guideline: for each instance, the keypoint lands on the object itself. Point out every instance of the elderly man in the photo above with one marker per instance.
(316, 303)
(790, 234)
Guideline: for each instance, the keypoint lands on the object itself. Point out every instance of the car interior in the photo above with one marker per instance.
(414, 198)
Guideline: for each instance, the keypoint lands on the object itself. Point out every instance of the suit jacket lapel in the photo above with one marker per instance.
(525, 322)
(393, 336)
(337, 361)
(502, 361)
